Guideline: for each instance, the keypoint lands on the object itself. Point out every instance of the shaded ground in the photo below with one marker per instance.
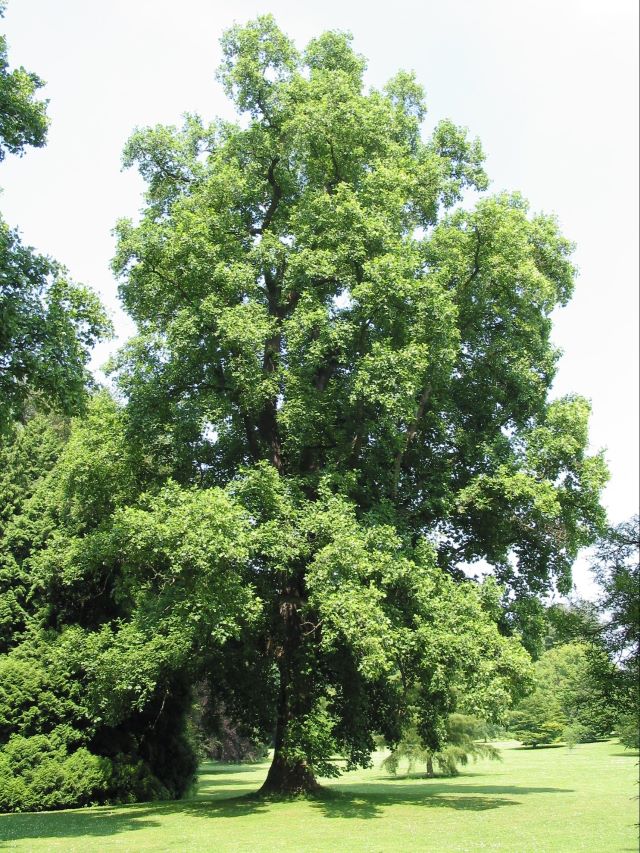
(534, 800)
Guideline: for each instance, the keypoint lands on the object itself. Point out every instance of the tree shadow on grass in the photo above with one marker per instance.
(443, 785)
(363, 801)
(76, 824)
(216, 785)
(344, 804)
(105, 820)
(368, 801)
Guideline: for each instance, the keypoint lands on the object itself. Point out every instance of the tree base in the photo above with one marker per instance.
(289, 780)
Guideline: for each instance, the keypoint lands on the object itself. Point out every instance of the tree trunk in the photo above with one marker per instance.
(430, 771)
(289, 776)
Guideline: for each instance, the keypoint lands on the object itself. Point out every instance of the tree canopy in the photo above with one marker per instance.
(338, 399)
(324, 329)
(48, 325)
(308, 293)
(616, 565)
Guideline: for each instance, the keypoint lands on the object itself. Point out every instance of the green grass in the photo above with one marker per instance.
(534, 800)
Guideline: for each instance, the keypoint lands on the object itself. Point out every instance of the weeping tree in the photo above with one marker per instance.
(341, 386)
(467, 739)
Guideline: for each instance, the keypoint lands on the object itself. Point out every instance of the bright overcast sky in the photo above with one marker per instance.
(549, 86)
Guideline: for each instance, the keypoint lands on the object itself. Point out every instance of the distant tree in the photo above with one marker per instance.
(609, 628)
(628, 730)
(616, 567)
(538, 719)
(465, 740)
(574, 733)
(566, 698)
(574, 621)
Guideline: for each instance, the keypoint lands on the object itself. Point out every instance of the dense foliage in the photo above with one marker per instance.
(616, 566)
(337, 398)
(48, 325)
(601, 639)
(63, 740)
(365, 373)
(568, 699)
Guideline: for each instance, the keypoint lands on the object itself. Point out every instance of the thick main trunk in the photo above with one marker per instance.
(289, 778)
(289, 775)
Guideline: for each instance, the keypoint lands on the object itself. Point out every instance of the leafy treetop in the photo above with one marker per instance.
(23, 118)
(307, 293)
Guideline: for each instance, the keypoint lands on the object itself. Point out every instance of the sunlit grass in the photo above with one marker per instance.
(534, 800)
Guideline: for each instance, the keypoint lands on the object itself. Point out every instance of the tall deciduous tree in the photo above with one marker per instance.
(610, 627)
(616, 566)
(363, 366)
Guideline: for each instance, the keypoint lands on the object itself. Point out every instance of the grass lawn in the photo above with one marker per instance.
(534, 800)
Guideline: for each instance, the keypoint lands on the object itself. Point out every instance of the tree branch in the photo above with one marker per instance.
(411, 432)
(276, 195)
(251, 437)
(476, 259)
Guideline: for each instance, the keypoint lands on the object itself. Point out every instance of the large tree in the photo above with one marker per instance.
(122, 589)
(363, 366)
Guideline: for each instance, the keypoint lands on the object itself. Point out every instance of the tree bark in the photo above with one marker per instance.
(430, 771)
(289, 775)
(289, 778)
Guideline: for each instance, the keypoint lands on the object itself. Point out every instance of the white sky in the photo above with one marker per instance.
(549, 86)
